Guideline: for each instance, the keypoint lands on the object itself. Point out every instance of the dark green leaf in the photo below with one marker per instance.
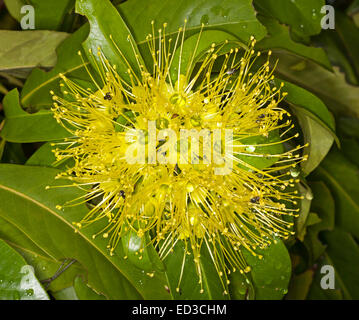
(342, 178)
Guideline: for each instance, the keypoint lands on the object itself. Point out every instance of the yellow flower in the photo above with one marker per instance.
(127, 148)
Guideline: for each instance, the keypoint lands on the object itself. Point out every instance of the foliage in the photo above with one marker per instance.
(320, 71)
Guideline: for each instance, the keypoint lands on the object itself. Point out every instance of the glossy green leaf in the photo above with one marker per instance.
(319, 138)
(17, 278)
(45, 266)
(21, 126)
(117, 278)
(271, 274)
(234, 17)
(279, 38)
(189, 286)
(84, 292)
(109, 33)
(303, 16)
(25, 50)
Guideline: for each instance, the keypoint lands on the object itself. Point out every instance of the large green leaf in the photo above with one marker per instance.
(303, 16)
(271, 274)
(279, 38)
(21, 126)
(189, 286)
(331, 88)
(109, 33)
(26, 50)
(17, 278)
(45, 266)
(36, 91)
(29, 205)
(234, 17)
(342, 178)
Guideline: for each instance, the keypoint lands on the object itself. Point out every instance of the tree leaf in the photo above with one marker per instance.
(36, 91)
(343, 254)
(189, 286)
(303, 16)
(319, 138)
(271, 274)
(84, 292)
(234, 17)
(342, 178)
(18, 281)
(25, 50)
(25, 199)
(279, 38)
(323, 204)
(107, 31)
(331, 88)
(21, 126)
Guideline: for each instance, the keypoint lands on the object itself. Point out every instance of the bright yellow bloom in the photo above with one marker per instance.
(181, 200)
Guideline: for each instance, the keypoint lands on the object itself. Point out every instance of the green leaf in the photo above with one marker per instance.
(323, 204)
(18, 281)
(25, 199)
(305, 203)
(189, 286)
(300, 285)
(236, 17)
(45, 266)
(279, 38)
(303, 16)
(343, 254)
(271, 274)
(109, 33)
(49, 15)
(345, 37)
(261, 158)
(25, 50)
(319, 138)
(193, 50)
(84, 292)
(36, 91)
(342, 178)
(21, 126)
(331, 88)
